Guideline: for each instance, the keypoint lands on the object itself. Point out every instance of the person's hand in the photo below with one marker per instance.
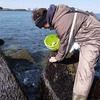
(52, 59)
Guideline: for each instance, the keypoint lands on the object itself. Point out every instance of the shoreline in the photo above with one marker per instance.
(14, 10)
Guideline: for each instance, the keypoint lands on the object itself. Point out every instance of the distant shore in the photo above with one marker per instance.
(7, 9)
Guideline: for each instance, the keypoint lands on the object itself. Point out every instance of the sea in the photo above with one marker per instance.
(19, 32)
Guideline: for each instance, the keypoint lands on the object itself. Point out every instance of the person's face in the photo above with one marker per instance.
(46, 26)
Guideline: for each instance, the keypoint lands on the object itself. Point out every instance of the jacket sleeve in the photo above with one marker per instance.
(62, 49)
(63, 27)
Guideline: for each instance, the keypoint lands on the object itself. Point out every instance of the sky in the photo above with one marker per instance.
(87, 5)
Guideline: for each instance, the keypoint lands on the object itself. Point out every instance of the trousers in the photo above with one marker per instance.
(88, 58)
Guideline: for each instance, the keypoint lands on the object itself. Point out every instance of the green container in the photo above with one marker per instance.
(52, 42)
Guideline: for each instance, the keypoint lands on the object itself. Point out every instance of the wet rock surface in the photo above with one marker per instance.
(9, 87)
(58, 78)
(28, 74)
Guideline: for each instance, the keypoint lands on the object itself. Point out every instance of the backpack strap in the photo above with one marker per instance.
(73, 11)
(71, 33)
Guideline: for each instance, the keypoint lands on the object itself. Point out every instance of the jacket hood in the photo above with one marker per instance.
(50, 14)
(59, 12)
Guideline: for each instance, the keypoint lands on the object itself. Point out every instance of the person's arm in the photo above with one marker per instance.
(62, 49)
(62, 28)
(63, 46)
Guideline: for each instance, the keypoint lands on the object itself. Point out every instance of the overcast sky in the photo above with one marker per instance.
(90, 5)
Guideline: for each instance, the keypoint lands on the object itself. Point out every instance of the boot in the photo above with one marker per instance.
(78, 97)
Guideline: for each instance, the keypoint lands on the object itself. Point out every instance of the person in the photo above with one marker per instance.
(74, 25)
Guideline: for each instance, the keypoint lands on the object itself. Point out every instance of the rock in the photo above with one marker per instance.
(22, 54)
(9, 87)
(57, 79)
(1, 7)
(1, 42)
(27, 73)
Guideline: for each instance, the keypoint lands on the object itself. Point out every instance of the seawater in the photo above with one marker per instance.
(18, 31)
